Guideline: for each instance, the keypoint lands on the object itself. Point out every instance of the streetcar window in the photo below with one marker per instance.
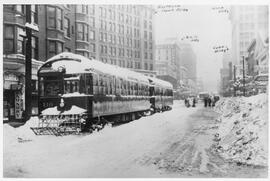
(131, 88)
(51, 88)
(82, 87)
(136, 89)
(95, 80)
(67, 86)
(88, 82)
(76, 86)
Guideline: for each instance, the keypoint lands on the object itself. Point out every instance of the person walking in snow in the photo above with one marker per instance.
(209, 101)
(205, 101)
(212, 101)
(194, 102)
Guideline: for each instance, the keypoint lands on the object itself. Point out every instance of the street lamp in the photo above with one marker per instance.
(234, 80)
(244, 89)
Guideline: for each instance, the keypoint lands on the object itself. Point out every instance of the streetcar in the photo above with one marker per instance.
(76, 94)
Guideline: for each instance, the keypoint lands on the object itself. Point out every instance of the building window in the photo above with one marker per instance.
(20, 42)
(100, 36)
(92, 9)
(20, 8)
(100, 11)
(114, 39)
(82, 9)
(151, 66)
(55, 48)
(145, 44)
(92, 47)
(105, 37)
(150, 46)
(92, 35)
(9, 39)
(105, 13)
(151, 56)
(34, 47)
(145, 34)
(59, 19)
(145, 24)
(145, 66)
(67, 27)
(150, 35)
(34, 14)
(91, 22)
(82, 31)
(145, 55)
(55, 18)
(101, 49)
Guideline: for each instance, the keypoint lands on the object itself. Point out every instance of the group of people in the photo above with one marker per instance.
(190, 101)
(210, 101)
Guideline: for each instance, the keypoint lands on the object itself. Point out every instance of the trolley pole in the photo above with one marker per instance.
(28, 66)
(244, 91)
(234, 80)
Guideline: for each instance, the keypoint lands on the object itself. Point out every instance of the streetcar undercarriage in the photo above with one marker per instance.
(60, 125)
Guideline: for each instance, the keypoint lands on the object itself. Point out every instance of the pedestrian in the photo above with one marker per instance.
(209, 101)
(205, 101)
(213, 101)
(194, 102)
(186, 102)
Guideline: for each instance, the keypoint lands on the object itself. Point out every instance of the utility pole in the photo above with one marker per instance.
(28, 66)
(234, 80)
(244, 91)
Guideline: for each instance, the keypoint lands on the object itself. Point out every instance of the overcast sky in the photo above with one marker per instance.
(212, 29)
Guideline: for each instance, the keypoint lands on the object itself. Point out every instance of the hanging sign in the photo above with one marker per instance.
(18, 105)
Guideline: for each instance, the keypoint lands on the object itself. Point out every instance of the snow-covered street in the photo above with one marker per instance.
(176, 143)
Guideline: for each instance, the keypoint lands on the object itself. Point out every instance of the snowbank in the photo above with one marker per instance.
(243, 129)
(111, 152)
(23, 133)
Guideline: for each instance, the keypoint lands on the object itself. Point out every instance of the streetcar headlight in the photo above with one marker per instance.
(62, 103)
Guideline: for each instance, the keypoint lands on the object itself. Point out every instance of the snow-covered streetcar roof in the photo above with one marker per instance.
(75, 64)
(162, 83)
(81, 64)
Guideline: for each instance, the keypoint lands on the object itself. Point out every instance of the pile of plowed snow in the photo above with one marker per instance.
(242, 135)
(23, 133)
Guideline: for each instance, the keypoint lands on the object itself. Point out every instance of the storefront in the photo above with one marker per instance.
(14, 87)
(13, 96)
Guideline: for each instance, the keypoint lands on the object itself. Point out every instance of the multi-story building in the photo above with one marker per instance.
(225, 73)
(167, 61)
(116, 34)
(258, 55)
(188, 60)
(246, 21)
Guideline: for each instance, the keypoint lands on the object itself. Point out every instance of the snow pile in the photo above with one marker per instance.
(121, 151)
(243, 131)
(23, 133)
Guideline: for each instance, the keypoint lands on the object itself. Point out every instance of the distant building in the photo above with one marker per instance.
(167, 61)
(258, 55)
(225, 74)
(122, 35)
(247, 21)
(188, 60)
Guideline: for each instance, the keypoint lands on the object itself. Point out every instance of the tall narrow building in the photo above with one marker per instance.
(246, 21)
(167, 61)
